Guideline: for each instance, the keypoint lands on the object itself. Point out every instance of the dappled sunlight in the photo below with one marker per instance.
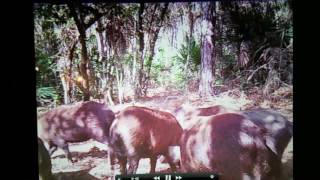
(183, 66)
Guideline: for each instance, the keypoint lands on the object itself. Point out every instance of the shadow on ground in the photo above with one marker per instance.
(94, 152)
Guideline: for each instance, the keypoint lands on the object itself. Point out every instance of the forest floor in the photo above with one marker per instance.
(92, 156)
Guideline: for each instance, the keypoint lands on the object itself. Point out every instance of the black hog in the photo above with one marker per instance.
(279, 128)
(278, 136)
(44, 161)
(75, 123)
(227, 144)
(140, 132)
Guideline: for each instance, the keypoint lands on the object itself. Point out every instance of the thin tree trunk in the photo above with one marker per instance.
(109, 79)
(66, 87)
(109, 97)
(140, 44)
(70, 82)
(152, 45)
(190, 36)
(66, 75)
(100, 41)
(119, 84)
(218, 33)
(134, 73)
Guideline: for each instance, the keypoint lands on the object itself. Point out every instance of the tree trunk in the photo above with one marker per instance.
(109, 97)
(207, 52)
(71, 84)
(243, 58)
(100, 41)
(153, 40)
(190, 36)
(109, 79)
(66, 74)
(84, 67)
(77, 16)
(66, 87)
(152, 45)
(218, 34)
(119, 77)
(140, 44)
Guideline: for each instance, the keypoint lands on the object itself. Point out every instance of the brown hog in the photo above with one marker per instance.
(75, 123)
(44, 161)
(140, 132)
(185, 115)
(227, 144)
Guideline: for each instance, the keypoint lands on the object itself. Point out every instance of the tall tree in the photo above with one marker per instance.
(113, 33)
(139, 53)
(207, 50)
(155, 22)
(66, 73)
(192, 17)
(78, 12)
(79, 20)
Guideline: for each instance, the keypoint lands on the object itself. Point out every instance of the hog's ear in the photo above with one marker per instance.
(271, 145)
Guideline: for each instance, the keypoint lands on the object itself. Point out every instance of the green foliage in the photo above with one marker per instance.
(130, 9)
(263, 26)
(46, 69)
(46, 95)
(128, 59)
(174, 72)
(194, 53)
(46, 20)
(51, 14)
(179, 78)
(157, 70)
(184, 70)
(44, 62)
(147, 61)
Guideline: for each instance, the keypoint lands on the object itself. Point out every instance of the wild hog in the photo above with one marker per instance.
(75, 123)
(227, 144)
(140, 132)
(279, 128)
(186, 114)
(278, 136)
(44, 161)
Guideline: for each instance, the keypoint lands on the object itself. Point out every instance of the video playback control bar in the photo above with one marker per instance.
(167, 177)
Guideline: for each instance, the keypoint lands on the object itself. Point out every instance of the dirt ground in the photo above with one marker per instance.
(92, 156)
(92, 163)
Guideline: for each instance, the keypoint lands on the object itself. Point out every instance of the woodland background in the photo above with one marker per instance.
(123, 52)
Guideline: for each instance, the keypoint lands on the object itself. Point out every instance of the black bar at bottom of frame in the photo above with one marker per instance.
(179, 176)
